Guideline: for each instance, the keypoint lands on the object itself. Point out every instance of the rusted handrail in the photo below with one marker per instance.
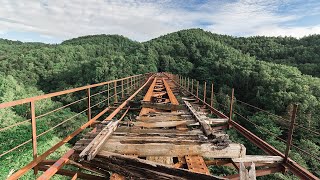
(33, 100)
(45, 96)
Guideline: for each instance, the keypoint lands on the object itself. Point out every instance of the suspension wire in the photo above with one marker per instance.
(257, 126)
(70, 118)
(100, 92)
(307, 152)
(16, 147)
(111, 96)
(62, 107)
(42, 115)
(14, 125)
(293, 145)
(296, 124)
(277, 116)
(59, 124)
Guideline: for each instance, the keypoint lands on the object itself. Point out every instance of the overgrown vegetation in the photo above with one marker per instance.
(269, 72)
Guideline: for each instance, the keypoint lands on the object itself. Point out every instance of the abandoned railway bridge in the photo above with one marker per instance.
(150, 126)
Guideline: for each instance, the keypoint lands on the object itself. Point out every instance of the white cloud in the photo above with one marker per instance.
(143, 20)
(288, 31)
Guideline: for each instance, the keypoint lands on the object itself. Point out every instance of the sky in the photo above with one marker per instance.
(52, 21)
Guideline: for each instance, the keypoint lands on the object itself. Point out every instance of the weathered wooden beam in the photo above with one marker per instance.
(159, 124)
(135, 168)
(259, 159)
(259, 172)
(205, 127)
(95, 145)
(163, 149)
(157, 131)
(162, 106)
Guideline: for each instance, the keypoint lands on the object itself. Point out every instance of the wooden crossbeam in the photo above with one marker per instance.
(136, 168)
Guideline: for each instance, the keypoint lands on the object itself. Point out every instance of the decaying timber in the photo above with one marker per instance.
(163, 131)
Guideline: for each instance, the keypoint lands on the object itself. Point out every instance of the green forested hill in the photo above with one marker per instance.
(269, 72)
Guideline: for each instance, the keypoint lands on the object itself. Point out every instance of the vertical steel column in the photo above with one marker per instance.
(128, 86)
(122, 93)
(231, 106)
(197, 89)
(34, 133)
(108, 94)
(231, 103)
(205, 91)
(289, 141)
(192, 86)
(115, 92)
(131, 82)
(212, 93)
(89, 103)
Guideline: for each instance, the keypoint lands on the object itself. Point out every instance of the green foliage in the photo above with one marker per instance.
(269, 72)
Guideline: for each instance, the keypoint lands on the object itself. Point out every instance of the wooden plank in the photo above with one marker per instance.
(164, 149)
(161, 159)
(92, 149)
(158, 118)
(135, 168)
(259, 159)
(162, 106)
(157, 131)
(205, 127)
(159, 124)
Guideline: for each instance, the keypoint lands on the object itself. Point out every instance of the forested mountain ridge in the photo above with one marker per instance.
(257, 67)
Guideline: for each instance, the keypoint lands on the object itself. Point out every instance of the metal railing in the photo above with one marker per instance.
(120, 88)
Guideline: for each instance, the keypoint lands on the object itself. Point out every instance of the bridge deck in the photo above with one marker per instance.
(166, 132)
(175, 135)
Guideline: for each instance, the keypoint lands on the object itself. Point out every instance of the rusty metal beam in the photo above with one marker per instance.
(294, 167)
(34, 133)
(260, 172)
(56, 166)
(40, 158)
(293, 118)
(116, 111)
(36, 98)
(172, 97)
(148, 95)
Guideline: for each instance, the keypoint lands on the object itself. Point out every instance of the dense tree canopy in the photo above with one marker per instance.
(269, 72)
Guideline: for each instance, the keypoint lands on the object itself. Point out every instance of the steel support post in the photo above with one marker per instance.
(108, 94)
(231, 106)
(289, 141)
(205, 91)
(115, 92)
(192, 86)
(122, 93)
(212, 94)
(89, 103)
(34, 133)
(197, 89)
